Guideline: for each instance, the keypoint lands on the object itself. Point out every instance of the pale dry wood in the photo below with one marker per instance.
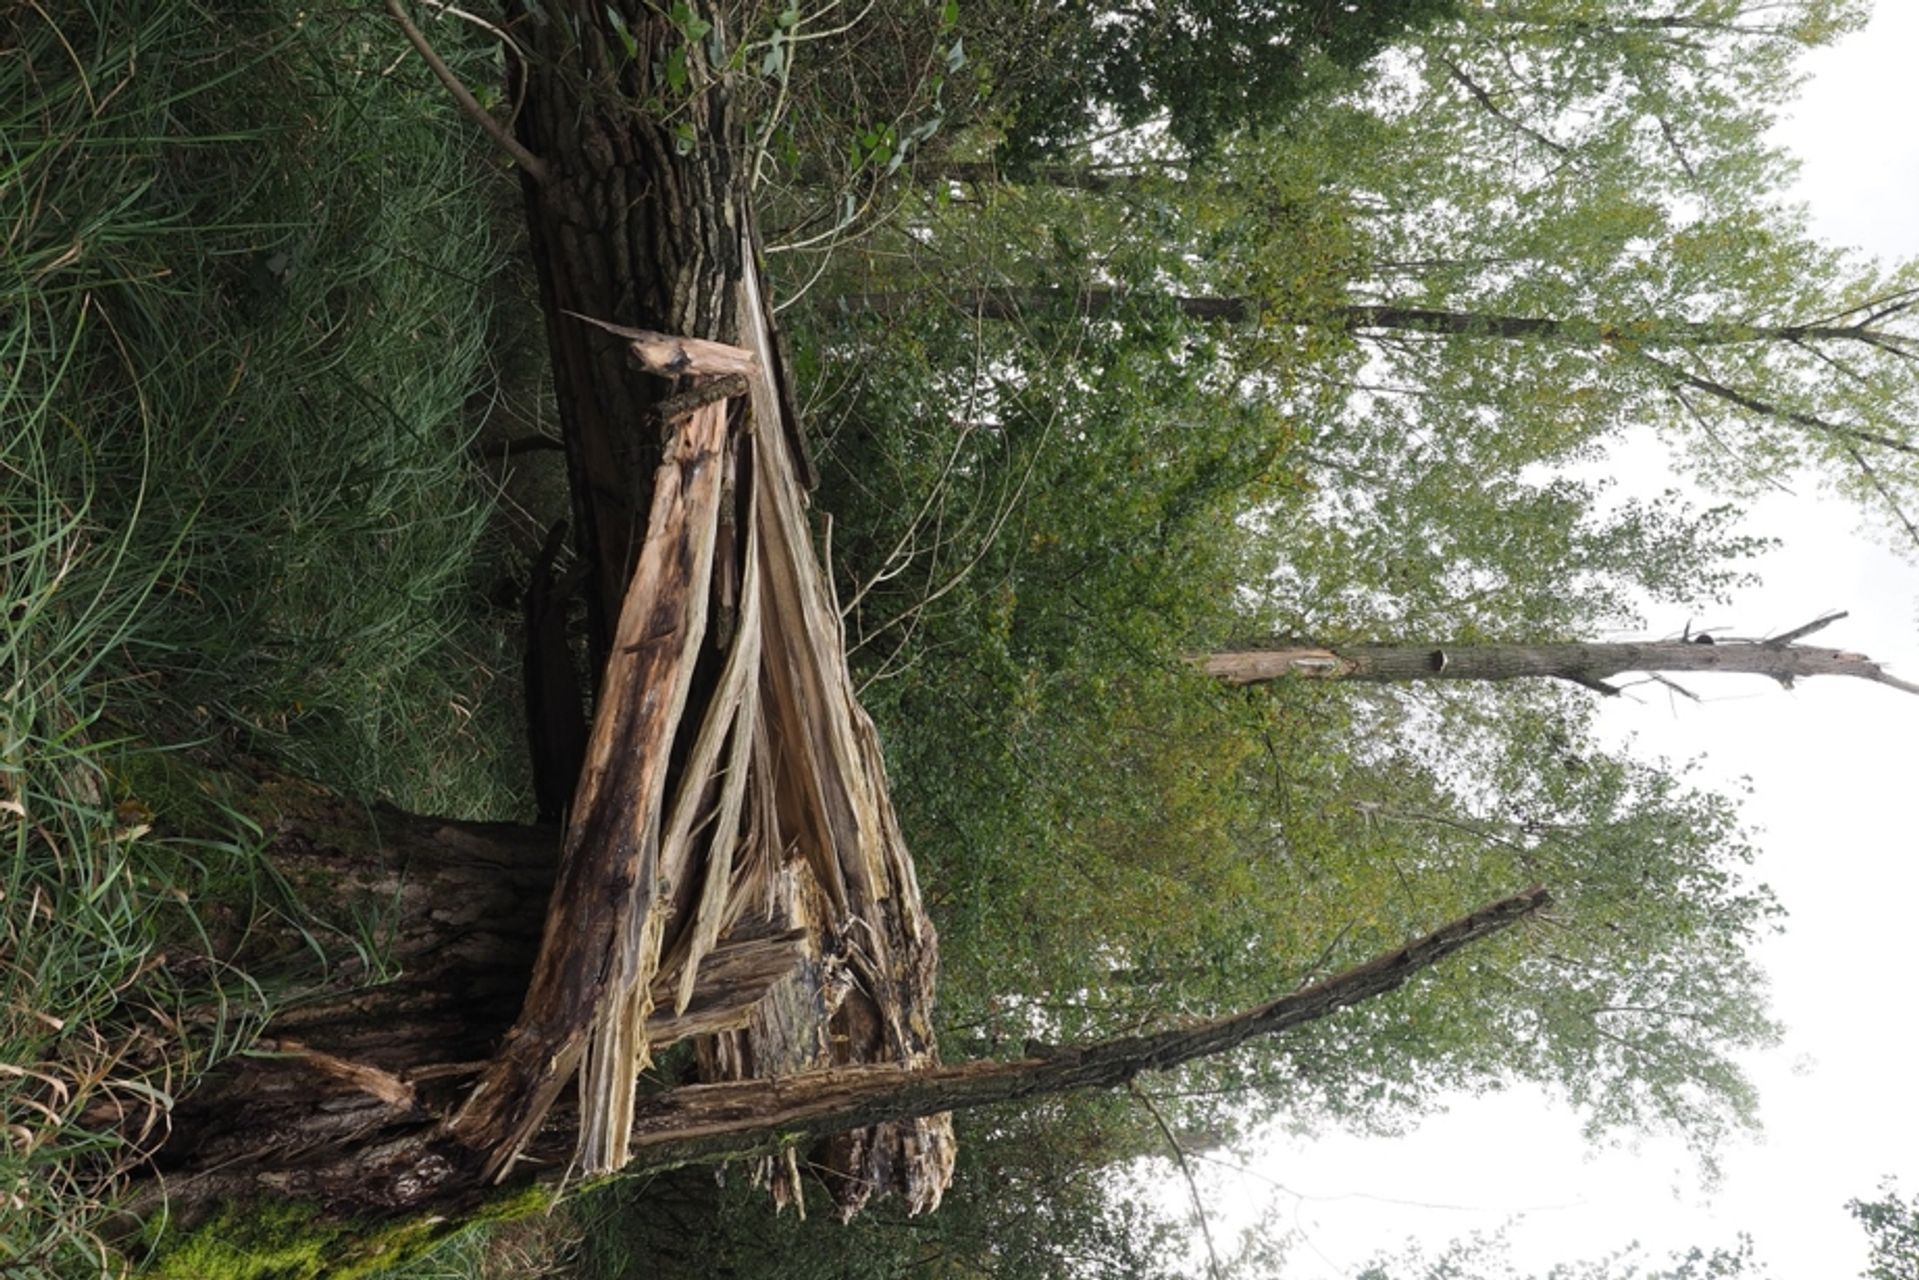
(863, 863)
(1779, 658)
(673, 355)
(596, 939)
(735, 981)
(733, 730)
(776, 821)
(703, 1122)
(716, 900)
(618, 1048)
(368, 1079)
(712, 797)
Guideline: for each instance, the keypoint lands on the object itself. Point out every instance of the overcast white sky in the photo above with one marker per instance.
(1834, 773)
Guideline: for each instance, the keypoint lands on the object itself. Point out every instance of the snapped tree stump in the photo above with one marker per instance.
(731, 871)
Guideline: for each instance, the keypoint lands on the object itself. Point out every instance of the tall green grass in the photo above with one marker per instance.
(245, 254)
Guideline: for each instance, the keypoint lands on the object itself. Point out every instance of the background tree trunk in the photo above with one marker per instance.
(1582, 663)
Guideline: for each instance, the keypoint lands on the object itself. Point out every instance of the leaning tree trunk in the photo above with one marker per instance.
(757, 1117)
(1591, 665)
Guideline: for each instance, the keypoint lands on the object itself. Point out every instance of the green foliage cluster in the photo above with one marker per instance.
(1203, 69)
(1454, 286)
(1485, 1257)
(1891, 1223)
(1040, 519)
(1029, 1199)
(1066, 534)
(242, 313)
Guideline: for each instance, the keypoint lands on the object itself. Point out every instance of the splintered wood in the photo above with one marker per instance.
(732, 871)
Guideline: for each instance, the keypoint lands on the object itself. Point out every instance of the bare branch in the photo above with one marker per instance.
(1712, 434)
(1770, 410)
(1799, 633)
(1485, 100)
(533, 166)
(1674, 686)
(1186, 1170)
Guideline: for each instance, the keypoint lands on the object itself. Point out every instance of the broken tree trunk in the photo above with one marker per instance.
(731, 867)
(753, 1118)
(732, 783)
(731, 870)
(1591, 665)
(449, 908)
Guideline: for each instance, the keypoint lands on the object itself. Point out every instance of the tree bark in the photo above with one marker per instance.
(1588, 664)
(425, 931)
(630, 225)
(451, 910)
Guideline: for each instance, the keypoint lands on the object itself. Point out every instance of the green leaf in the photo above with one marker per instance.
(689, 24)
(620, 29)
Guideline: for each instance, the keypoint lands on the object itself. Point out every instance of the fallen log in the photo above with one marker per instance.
(765, 1116)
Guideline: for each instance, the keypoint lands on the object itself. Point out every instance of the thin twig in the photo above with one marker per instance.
(1799, 633)
(499, 33)
(534, 167)
(1673, 685)
(1713, 436)
(1485, 100)
(1186, 1170)
(1766, 408)
(1879, 486)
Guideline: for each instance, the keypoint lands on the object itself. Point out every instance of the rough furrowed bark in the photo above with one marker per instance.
(451, 910)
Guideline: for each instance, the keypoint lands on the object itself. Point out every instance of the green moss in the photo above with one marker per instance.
(285, 1242)
(293, 1240)
(510, 1205)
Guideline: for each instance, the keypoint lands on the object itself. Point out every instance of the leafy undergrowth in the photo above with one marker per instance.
(243, 316)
